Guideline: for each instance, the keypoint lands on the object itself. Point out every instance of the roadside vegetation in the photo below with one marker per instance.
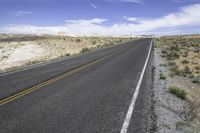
(162, 76)
(180, 93)
(85, 50)
(182, 54)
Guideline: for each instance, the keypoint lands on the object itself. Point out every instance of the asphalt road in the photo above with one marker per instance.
(89, 93)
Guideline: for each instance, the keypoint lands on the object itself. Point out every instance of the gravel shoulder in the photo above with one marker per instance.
(172, 113)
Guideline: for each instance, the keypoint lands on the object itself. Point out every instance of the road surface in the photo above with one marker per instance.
(89, 93)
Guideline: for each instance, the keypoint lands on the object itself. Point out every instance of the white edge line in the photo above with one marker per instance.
(134, 98)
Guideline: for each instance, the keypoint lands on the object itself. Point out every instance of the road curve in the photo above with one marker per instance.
(89, 93)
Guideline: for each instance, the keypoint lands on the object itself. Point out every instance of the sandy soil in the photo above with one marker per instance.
(189, 117)
(22, 55)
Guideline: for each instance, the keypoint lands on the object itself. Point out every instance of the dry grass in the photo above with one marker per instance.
(180, 93)
(182, 53)
(183, 56)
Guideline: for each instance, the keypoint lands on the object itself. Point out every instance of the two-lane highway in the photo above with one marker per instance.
(89, 93)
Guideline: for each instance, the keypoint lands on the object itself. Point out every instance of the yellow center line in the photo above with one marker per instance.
(36, 87)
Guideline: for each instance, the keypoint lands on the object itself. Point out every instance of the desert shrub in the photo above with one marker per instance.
(78, 40)
(94, 43)
(164, 65)
(186, 70)
(175, 70)
(194, 45)
(157, 45)
(197, 72)
(67, 54)
(164, 51)
(112, 43)
(85, 50)
(107, 44)
(174, 48)
(162, 76)
(185, 54)
(180, 125)
(196, 49)
(171, 63)
(99, 46)
(196, 79)
(172, 55)
(177, 91)
(197, 67)
(36, 61)
(180, 72)
(92, 48)
(5, 56)
(33, 62)
(185, 61)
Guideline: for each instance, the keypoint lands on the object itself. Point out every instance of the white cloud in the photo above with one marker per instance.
(134, 19)
(188, 16)
(93, 6)
(185, 1)
(87, 21)
(19, 13)
(30, 29)
(86, 27)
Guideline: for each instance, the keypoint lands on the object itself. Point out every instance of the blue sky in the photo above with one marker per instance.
(109, 17)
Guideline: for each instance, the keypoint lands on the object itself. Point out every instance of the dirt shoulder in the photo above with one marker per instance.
(177, 104)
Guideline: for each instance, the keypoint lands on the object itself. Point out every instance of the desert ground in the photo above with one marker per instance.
(180, 72)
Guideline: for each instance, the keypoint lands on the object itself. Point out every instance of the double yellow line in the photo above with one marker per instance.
(75, 70)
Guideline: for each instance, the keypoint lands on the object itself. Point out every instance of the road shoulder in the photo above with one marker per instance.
(171, 112)
(143, 120)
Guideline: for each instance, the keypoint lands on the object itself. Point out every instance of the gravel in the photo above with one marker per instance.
(171, 112)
